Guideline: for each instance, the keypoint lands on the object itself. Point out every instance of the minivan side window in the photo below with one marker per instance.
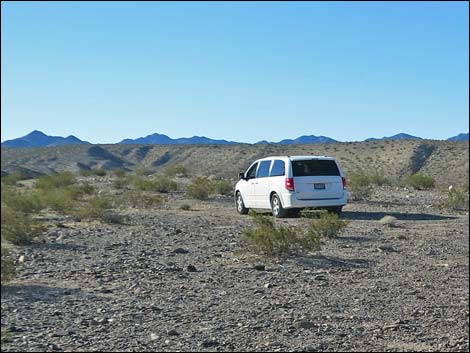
(278, 169)
(263, 170)
(251, 173)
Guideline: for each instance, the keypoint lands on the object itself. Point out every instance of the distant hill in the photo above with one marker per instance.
(40, 139)
(401, 136)
(307, 139)
(459, 137)
(160, 139)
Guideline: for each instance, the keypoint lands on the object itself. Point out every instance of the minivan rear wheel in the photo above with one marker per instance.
(276, 207)
(240, 204)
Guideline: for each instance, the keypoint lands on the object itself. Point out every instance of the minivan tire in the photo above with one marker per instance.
(276, 207)
(241, 209)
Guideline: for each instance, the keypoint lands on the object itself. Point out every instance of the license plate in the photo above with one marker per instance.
(319, 186)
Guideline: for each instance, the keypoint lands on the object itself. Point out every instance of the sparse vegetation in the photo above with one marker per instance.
(17, 227)
(59, 180)
(223, 187)
(200, 188)
(12, 178)
(359, 185)
(457, 198)
(420, 181)
(176, 170)
(185, 207)
(96, 172)
(284, 240)
(160, 184)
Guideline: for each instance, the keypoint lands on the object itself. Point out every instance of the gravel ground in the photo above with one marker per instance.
(176, 280)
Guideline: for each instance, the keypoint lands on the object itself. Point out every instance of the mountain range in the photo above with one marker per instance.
(40, 139)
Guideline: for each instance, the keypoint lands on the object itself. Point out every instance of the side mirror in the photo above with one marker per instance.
(241, 175)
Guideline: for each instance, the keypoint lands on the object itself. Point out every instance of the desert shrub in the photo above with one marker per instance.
(8, 270)
(326, 225)
(379, 179)
(61, 199)
(55, 181)
(185, 207)
(200, 188)
(25, 202)
(457, 199)
(12, 178)
(95, 208)
(175, 170)
(119, 172)
(223, 187)
(420, 181)
(97, 172)
(360, 186)
(164, 184)
(266, 238)
(139, 199)
(17, 227)
(159, 184)
(144, 171)
(120, 183)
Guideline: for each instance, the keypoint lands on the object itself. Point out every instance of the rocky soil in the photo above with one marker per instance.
(176, 280)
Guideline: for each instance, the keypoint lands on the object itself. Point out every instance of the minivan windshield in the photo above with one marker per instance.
(315, 167)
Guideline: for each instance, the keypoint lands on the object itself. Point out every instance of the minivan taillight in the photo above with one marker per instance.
(344, 182)
(290, 184)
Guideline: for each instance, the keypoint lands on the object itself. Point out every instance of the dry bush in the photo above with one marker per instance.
(176, 170)
(388, 221)
(200, 188)
(420, 181)
(55, 181)
(17, 227)
(457, 199)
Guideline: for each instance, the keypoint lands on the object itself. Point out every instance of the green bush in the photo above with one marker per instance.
(95, 208)
(55, 181)
(420, 181)
(120, 183)
(175, 170)
(160, 184)
(200, 188)
(266, 238)
(119, 172)
(97, 172)
(457, 199)
(139, 199)
(379, 179)
(359, 184)
(164, 184)
(223, 187)
(12, 178)
(8, 270)
(25, 201)
(62, 200)
(326, 225)
(18, 228)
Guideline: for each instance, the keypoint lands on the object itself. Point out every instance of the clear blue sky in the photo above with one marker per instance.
(239, 71)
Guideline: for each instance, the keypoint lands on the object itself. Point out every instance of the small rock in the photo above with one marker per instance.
(191, 268)
(304, 324)
(180, 251)
(386, 248)
(154, 337)
(259, 267)
(21, 259)
(212, 342)
(268, 285)
(173, 333)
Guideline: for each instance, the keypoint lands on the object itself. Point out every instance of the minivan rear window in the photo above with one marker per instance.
(315, 167)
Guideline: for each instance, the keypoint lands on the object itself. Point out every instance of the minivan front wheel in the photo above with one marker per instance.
(240, 204)
(276, 207)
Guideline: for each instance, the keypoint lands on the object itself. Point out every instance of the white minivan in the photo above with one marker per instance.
(286, 184)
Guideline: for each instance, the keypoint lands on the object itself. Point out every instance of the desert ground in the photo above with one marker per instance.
(175, 279)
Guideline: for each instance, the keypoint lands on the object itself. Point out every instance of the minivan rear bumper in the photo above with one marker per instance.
(289, 200)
